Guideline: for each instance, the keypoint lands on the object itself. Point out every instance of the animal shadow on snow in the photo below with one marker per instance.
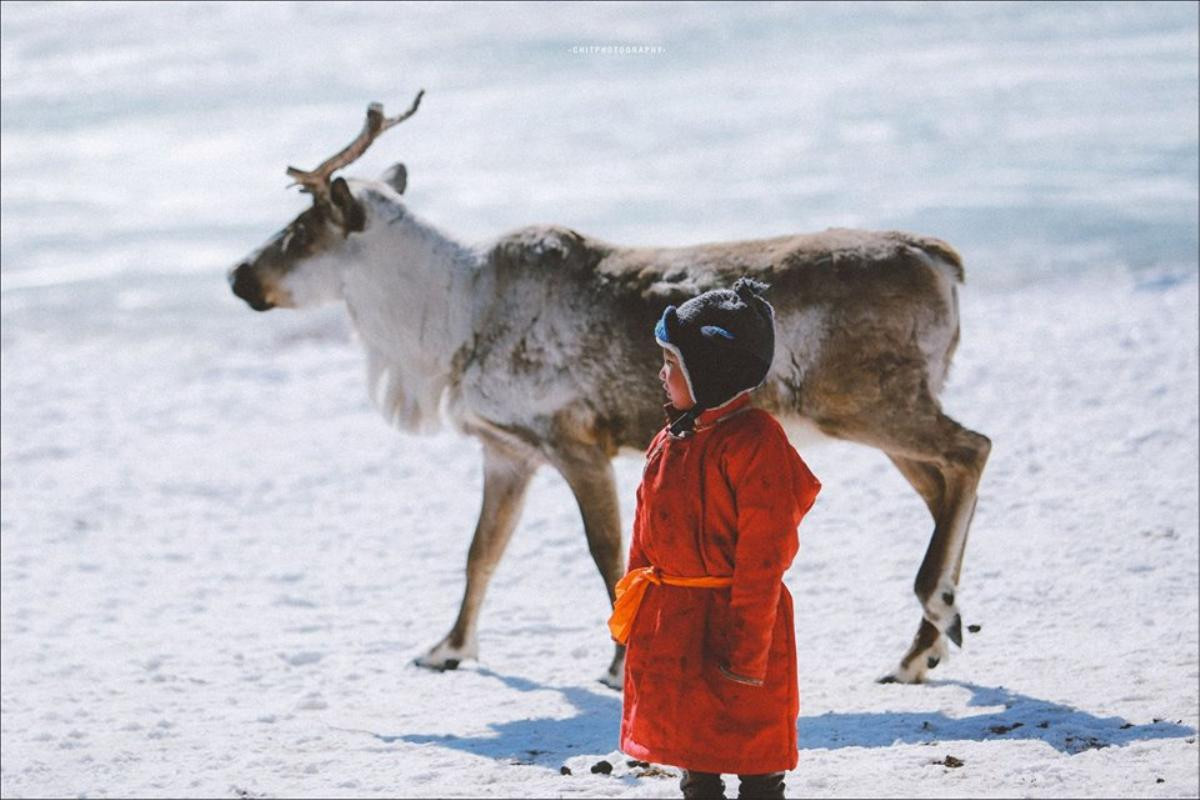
(1066, 729)
(543, 741)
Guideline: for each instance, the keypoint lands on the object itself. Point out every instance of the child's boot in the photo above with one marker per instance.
(761, 787)
(702, 786)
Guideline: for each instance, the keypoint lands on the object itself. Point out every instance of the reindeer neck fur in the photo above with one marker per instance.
(408, 290)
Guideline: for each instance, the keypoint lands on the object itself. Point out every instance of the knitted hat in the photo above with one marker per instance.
(724, 339)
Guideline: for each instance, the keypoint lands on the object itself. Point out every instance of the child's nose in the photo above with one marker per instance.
(662, 373)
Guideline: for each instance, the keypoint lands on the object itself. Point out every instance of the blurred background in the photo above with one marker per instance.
(144, 145)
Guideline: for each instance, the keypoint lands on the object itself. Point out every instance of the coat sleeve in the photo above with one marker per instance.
(773, 489)
(637, 556)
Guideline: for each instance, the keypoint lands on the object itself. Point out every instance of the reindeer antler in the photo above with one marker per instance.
(316, 182)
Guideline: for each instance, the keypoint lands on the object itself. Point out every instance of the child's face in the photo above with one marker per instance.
(674, 383)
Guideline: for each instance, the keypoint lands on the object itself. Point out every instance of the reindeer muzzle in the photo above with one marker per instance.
(247, 286)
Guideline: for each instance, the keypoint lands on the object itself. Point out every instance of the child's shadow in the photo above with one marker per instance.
(1068, 730)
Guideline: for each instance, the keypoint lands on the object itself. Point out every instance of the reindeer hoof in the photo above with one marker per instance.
(445, 656)
(927, 650)
(954, 631)
(614, 678)
(439, 666)
(906, 676)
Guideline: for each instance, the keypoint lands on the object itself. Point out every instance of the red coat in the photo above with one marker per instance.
(710, 674)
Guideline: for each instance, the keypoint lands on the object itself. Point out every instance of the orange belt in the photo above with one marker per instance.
(632, 588)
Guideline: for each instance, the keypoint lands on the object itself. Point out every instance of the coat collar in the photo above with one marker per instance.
(712, 416)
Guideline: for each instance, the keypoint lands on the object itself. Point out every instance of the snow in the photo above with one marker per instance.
(217, 562)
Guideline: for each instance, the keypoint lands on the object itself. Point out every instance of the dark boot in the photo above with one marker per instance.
(761, 787)
(702, 786)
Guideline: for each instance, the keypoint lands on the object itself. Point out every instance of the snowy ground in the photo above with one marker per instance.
(218, 563)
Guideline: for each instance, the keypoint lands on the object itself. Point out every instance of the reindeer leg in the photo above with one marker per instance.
(925, 478)
(947, 478)
(588, 471)
(927, 643)
(944, 462)
(507, 469)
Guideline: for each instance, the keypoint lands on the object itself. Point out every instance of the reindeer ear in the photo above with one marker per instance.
(396, 176)
(353, 217)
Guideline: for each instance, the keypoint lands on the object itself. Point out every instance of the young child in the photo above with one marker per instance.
(710, 666)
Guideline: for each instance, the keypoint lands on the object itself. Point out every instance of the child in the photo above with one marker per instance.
(710, 670)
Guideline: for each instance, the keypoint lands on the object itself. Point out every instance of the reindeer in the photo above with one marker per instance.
(530, 343)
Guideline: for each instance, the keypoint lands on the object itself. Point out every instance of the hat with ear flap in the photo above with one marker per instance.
(724, 339)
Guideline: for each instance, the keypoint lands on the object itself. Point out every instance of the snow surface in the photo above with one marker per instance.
(217, 563)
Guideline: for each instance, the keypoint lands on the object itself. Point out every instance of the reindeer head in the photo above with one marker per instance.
(298, 266)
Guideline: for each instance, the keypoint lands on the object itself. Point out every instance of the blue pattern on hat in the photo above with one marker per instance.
(715, 330)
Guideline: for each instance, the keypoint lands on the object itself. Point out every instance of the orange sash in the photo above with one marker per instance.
(632, 588)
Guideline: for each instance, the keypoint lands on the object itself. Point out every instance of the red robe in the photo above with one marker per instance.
(710, 674)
